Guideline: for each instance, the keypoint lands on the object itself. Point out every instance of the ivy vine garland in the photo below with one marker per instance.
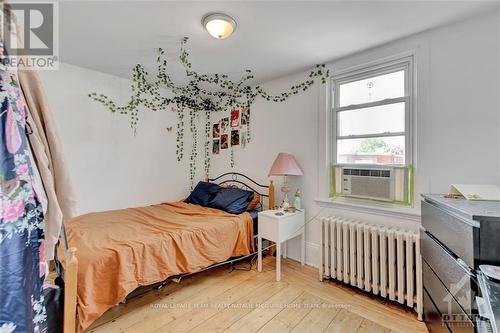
(224, 94)
(179, 151)
(207, 144)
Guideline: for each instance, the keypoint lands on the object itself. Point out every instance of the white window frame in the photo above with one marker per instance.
(381, 68)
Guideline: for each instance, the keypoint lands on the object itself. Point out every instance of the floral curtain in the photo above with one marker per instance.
(22, 254)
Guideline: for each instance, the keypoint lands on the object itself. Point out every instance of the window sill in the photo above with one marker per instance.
(365, 206)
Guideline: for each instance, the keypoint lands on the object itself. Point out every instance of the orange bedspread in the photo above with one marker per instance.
(121, 250)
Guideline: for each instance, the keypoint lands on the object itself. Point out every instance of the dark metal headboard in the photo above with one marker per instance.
(234, 178)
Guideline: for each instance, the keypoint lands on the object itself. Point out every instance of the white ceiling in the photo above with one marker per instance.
(273, 38)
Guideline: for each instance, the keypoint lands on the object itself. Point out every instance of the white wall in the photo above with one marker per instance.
(457, 122)
(457, 130)
(110, 167)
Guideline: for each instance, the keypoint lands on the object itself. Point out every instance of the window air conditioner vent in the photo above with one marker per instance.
(368, 183)
(367, 172)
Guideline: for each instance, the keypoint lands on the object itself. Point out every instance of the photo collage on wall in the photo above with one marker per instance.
(231, 131)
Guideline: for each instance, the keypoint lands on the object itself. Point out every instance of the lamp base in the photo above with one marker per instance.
(286, 203)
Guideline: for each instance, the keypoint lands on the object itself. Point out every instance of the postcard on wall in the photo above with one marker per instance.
(245, 116)
(224, 125)
(215, 147)
(243, 139)
(235, 118)
(235, 137)
(224, 141)
(216, 131)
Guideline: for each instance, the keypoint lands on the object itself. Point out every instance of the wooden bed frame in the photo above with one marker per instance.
(70, 284)
(71, 261)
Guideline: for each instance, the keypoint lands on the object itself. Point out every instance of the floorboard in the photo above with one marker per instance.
(221, 300)
(224, 319)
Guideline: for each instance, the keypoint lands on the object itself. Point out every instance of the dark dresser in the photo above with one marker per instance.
(458, 235)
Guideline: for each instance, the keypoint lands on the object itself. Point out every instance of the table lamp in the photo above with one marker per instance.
(285, 165)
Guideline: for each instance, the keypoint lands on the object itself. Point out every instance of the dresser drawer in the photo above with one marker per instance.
(280, 228)
(489, 244)
(456, 234)
(432, 316)
(446, 267)
(455, 317)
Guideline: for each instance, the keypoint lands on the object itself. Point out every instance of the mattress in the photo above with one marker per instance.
(121, 250)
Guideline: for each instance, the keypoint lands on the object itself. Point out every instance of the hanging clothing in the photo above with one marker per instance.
(48, 155)
(22, 251)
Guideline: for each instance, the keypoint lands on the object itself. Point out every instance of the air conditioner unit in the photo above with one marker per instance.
(369, 183)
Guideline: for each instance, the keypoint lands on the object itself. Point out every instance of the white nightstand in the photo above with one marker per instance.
(279, 229)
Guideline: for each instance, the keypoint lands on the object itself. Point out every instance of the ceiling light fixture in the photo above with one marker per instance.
(218, 25)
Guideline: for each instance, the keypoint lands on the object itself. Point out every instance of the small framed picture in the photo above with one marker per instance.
(216, 147)
(224, 141)
(245, 116)
(224, 125)
(243, 139)
(235, 118)
(235, 138)
(216, 130)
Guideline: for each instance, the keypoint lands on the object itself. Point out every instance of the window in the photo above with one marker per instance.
(371, 114)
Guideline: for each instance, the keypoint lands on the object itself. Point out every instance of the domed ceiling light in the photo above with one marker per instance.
(218, 25)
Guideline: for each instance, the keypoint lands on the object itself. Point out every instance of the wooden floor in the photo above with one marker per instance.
(248, 301)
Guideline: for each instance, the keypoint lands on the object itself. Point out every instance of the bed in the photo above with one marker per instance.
(122, 250)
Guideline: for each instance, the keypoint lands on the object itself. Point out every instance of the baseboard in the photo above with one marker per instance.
(312, 253)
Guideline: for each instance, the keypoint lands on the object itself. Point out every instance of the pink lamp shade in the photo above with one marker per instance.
(285, 165)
